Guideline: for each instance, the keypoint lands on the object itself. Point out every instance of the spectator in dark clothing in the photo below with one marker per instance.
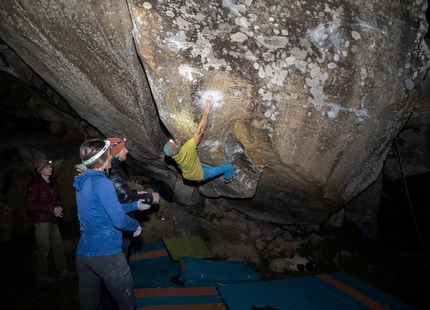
(43, 201)
(124, 192)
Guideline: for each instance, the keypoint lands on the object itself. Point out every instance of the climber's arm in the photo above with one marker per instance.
(204, 121)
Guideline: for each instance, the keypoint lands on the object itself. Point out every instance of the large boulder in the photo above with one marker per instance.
(308, 96)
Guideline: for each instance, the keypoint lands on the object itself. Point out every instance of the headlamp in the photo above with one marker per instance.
(95, 157)
(174, 146)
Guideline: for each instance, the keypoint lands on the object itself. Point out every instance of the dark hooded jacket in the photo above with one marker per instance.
(41, 199)
(124, 192)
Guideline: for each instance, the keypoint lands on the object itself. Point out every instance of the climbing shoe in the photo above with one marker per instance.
(232, 179)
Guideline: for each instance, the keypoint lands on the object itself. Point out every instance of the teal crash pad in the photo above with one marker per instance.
(203, 272)
(151, 266)
(324, 292)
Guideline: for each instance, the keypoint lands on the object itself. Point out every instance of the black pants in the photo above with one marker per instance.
(106, 299)
(112, 271)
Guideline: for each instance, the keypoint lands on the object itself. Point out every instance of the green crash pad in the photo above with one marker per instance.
(192, 246)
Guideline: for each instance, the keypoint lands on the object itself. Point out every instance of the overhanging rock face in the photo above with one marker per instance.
(308, 95)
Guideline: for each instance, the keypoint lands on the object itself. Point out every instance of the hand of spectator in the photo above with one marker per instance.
(141, 192)
(58, 211)
(155, 197)
(79, 169)
(142, 206)
(137, 232)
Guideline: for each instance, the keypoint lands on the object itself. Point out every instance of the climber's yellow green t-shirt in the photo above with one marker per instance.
(189, 161)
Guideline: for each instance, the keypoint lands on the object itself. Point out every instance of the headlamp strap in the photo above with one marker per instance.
(123, 140)
(100, 153)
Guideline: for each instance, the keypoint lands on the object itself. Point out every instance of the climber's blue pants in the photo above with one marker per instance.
(210, 172)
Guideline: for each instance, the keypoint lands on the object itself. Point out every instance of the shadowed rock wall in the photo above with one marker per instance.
(85, 52)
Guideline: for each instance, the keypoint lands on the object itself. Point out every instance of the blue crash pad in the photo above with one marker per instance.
(185, 298)
(151, 266)
(201, 272)
(328, 291)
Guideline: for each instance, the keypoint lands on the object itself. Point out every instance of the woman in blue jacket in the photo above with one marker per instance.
(99, 256)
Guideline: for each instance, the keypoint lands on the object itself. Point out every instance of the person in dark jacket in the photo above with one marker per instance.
(43, 201)
(125, 194)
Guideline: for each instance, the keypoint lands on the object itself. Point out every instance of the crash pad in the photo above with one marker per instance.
(192, 246)
(326, 292)
(201, 272)
(151, 266)
(185, 298)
